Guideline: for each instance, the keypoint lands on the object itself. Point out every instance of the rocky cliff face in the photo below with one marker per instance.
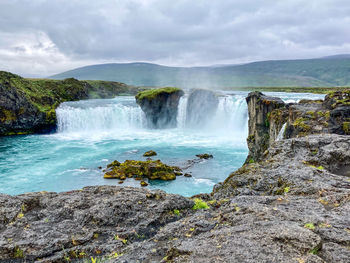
(259, 110)
(28, 106)
(160, 106)
(268, 115)
(201, 106)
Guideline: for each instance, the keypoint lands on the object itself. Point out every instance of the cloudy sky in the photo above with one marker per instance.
(44, 37)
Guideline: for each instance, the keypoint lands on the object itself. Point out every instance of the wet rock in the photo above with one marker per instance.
(143, 183)
(204, 156)
(150, 153)
(201, 106)
(141, 169)
(160, 106)
(187, 175)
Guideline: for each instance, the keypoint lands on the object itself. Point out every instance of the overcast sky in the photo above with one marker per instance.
(44, 37)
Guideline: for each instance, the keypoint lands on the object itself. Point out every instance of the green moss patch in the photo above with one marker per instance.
(142, 169)
(153, 93)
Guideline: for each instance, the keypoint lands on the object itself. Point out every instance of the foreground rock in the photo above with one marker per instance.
(142, 169)
(160, 106)
(95, 221)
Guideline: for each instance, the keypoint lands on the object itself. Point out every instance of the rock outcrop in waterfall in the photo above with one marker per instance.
(160, 106)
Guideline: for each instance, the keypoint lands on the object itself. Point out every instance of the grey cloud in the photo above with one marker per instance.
(48, 36)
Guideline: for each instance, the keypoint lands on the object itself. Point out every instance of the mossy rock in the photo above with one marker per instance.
(149, 153)
(204, 156)
(141, 169)
(153, 93)
(346, 127)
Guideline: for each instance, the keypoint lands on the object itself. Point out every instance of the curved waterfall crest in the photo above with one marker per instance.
(122, 113)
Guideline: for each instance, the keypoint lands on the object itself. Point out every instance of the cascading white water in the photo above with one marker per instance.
(124, 114)
(99, 115)
(231, 116)
(281, 132)
(181, 113)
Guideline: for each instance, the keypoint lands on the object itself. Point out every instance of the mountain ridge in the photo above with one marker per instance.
(325, 71)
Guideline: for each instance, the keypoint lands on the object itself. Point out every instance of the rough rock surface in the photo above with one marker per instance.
(267, 116)
(201, 106)
(160, 106)
(259, 108)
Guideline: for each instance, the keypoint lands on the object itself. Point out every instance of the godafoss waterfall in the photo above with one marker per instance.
(92, 133)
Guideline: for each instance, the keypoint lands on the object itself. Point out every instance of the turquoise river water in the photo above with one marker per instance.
(92, 133)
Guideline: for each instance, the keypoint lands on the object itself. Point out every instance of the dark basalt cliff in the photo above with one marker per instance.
(28, 105)
(259, 110)
(160, 106)
(291, 206)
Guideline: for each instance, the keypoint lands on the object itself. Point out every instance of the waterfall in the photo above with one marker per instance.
(122, 114)
(181, 113)
(281, 132)
(99, 115)
(231, 116)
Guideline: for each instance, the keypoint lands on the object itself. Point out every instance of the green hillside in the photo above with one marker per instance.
(328, 71)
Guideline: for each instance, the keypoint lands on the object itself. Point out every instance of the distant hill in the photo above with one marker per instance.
(327, 71)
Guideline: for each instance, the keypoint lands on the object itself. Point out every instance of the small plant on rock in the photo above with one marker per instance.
(199, 204)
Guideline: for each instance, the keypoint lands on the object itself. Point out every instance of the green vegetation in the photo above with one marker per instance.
(300, 123)
(176, 212)
(18, 253)
(140, 169)
(310, 226)
(123, 240)
(199, 204)
(314, 251)
(153, 93)
(346, 127)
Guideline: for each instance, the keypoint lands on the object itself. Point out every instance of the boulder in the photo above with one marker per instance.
(149, 153)
(142, 169)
